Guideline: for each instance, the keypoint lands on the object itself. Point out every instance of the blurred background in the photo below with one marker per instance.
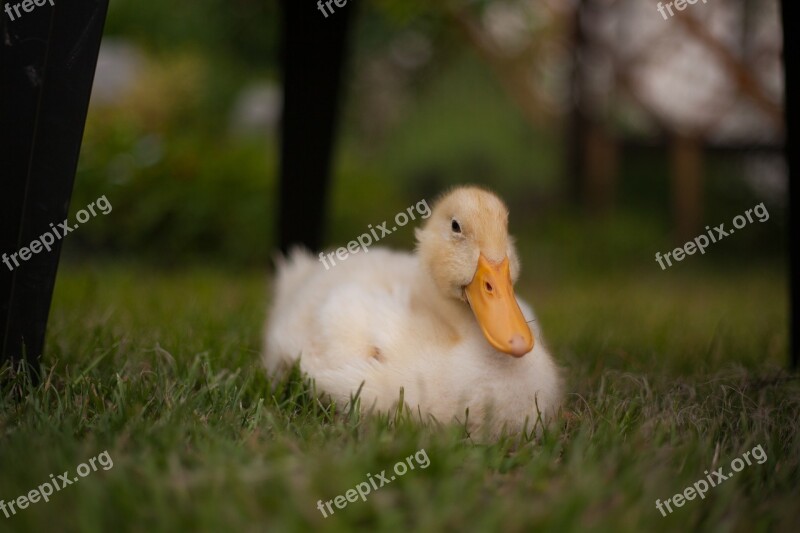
(612, 132)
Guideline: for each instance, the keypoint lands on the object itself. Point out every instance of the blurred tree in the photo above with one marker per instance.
(239, 31)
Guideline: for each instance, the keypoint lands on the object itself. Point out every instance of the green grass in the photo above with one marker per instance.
(670, 374)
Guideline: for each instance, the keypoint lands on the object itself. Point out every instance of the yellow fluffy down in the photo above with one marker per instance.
(392, 320)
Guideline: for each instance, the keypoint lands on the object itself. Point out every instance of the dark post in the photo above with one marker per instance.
(313, 58)
(578, 124)
(47, 63)
(791, 56)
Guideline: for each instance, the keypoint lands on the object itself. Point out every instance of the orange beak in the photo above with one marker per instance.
(491, 296)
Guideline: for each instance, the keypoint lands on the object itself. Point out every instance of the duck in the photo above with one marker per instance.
(440, 329)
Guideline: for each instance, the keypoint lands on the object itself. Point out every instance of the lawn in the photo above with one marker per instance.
(666, 379)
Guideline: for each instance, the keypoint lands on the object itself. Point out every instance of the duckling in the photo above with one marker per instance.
(443, 324)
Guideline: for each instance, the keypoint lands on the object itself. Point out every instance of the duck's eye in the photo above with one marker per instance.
(456, 227)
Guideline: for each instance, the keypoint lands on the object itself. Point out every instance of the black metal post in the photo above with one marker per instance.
(791, 56)
(47, 64)
(313, 58)
(578, 124)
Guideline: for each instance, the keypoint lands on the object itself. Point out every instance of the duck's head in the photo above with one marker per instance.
(466, 248)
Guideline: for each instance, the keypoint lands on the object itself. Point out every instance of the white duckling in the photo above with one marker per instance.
(444, 325)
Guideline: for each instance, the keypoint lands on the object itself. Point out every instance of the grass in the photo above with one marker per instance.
(669, 375)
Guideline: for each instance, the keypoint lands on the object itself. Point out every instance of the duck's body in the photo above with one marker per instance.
(380, 319)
